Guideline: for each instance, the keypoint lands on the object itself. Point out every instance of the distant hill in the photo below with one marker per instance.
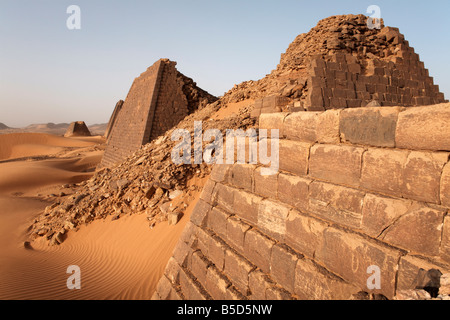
(52, 128)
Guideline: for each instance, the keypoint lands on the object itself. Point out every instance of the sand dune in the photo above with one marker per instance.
(19, 145)
(122, 259)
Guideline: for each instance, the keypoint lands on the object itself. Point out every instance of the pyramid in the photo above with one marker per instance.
(77, 129)
(343, 63)
(158, 99)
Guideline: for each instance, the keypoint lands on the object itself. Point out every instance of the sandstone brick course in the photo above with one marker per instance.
(304, 233)
(335, 203)
(294, 156)
(238, 269)
(258, 248)
(424, 128)
(294, 190)
(282, 266)
(337, 164)
(369, 126)
(349, 256)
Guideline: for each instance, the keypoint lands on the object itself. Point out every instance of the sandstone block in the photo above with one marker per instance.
(327, 130)
(200, 213)
(418, 230)
(163, 288)
(236, 230)
(191, 288)
(258, 248)
(315, 283)
(293, 190)
(216, 284)
(349, 256)
(369, 126)
(422, 175)
(258, 283)
(246, 206)
(301, 126)
(294, 156)
(216, 252)
(380, 212)
(337, 164)
(224, 197)
(172, 271)
(304, 233)
(424, 128)
(208, 191)
(272, 218)
(199, 266)
(445, 243)
(270, 121)
(241, 176)
(335, 203)
(217, 221)
(220, 172)
(409, 270)
(383, 171)
(282, 266)
(445, 186)
(181, 252)
(238, 269)
(265, 186)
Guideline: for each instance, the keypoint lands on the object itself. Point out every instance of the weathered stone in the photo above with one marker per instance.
(241, 176)
(272, 218)
(265, 186)
(200, 213)
(293, 190)
(444, 288)
(445, 186)
(304, 233)
(294, 156)
(337, 164)
(238, 270)
(418, 230)
(258, 248)
(216, 284)
(424, 128)
(217, 221)
(258, 283)
(327, 130)
(282, 266)
(236, 230)
(315, 283)
(380, 212)
(270, 121)
(412, 295)
(246, 206)
(383, 171)
(369, 126)
(301, 126)
(335, 203)
(411, 269)
(422, 176)
(445, 242)
(349, 256)
(174, 217)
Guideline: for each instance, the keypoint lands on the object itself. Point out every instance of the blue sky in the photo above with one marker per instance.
(49, 73)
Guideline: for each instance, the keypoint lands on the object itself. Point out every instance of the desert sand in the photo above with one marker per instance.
(121, 259)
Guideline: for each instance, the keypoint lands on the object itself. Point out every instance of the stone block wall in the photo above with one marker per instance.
(344, 81)
(113, 118)
(357, 188)
(130, 129)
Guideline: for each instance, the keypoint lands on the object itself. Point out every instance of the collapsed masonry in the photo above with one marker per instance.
(342, 63)
(158, 99)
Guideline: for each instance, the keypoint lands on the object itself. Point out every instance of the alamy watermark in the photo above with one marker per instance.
(73, 22)
(374, 20)
(214, 152)
(74, 280)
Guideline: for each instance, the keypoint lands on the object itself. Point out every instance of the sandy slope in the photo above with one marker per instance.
(121, 259)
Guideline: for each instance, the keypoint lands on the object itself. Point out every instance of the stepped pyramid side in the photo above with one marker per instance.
(158, 99)
(77, 129)
(342, 63)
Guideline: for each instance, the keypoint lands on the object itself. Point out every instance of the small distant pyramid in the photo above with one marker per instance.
(77, 129)
(3, 126)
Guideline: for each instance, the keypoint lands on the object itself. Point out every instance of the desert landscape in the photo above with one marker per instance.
(356, 208)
